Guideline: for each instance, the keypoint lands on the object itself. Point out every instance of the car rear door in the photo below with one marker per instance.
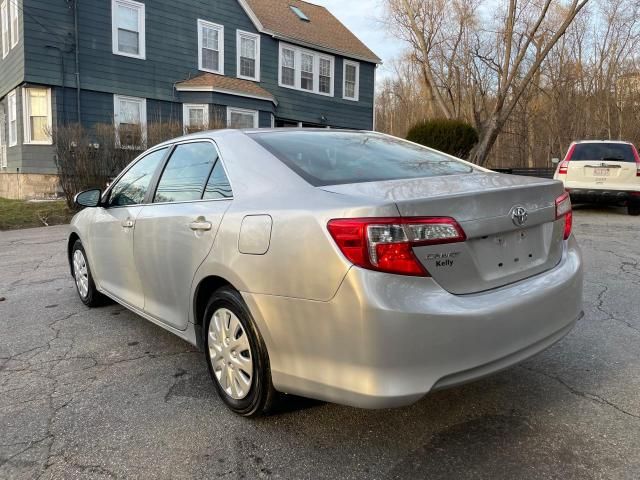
(111, 234)
(603, 165)
(175, 232)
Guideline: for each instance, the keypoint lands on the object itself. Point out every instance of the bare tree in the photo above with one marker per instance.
(492, 63)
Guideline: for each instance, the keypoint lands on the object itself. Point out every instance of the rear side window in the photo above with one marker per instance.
(332, 157)
(132, 187)
(218, 185)
(620, 152)
(186, 173)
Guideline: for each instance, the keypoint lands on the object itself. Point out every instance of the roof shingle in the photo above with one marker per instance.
(322, 29)
(222, 84)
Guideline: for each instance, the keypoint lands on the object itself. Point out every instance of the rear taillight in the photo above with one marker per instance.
(564, 210)
(637, 157)
(386, 244)
(563, 168)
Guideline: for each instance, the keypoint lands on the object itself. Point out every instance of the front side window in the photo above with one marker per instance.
(186, 174)
(306, 70)
(333, 157)
(131, 121)
(132, 187)
(211, 47)
(15, 24)
(351, 80)
(13, 119)
(4, 20)
(37, 115)
(238, 118)
(128, 29)
(195, 118)
(248, 45)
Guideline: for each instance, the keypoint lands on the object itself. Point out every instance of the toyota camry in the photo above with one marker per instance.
(351, 267)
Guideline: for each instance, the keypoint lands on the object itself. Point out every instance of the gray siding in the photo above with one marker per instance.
(45, 56)
(12, 67)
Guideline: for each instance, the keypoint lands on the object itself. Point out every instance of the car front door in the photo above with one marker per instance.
(111, 234)
(176, 231)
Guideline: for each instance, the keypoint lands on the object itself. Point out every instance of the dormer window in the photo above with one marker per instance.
(300, 14)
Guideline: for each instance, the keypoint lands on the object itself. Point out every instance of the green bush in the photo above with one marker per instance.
(454, 137)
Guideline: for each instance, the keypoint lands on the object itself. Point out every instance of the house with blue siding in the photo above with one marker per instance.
(202, 63)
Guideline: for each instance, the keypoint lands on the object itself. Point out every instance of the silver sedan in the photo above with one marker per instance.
(346, 266)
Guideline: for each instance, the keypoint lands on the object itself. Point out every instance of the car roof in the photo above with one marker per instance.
(622, 142)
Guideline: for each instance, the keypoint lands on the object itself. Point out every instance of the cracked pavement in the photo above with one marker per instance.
(105, 394)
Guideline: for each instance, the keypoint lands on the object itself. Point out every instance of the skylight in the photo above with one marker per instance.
(299, 13)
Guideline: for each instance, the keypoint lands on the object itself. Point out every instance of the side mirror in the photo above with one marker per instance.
(88, 198)
(555, 161)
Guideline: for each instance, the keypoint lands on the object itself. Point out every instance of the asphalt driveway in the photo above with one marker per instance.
(105, 394)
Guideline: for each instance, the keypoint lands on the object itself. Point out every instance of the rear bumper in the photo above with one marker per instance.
(387, 340)
(614, 197)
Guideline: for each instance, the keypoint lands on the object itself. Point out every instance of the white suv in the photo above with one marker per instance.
(602, 171)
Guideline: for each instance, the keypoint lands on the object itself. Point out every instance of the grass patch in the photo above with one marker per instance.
(16, 214)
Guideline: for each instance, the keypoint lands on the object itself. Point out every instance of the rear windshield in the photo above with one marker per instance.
(620, 152)
(332, 157)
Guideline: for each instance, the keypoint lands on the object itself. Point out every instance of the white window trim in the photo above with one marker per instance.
(143, 117)
(4, 19)
(344, 80)
(239, 35)
(185, 114)
(298, 69)
(141, 28)
(13, 15)
(3, 142)
(12, 115)
(220, 28)
(255, 114)
(26, 114)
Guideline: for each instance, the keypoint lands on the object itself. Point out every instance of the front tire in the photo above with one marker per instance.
(236, 355)
(85, 285)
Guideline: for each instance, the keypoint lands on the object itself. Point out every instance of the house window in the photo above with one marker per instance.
(13, 119)
(13, 16)
(210, 47)
(195, 118)
(288, 67)
(4, 19)
(248, 48)
(37, 115)
(306, 70)
(306, 74)
(128, 28)
(130, 115)
(351, 83)
(238, 118)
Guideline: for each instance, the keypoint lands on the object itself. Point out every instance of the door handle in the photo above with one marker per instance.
(128, 223)
(200, 225)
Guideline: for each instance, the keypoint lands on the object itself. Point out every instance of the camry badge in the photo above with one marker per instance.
(519, 215)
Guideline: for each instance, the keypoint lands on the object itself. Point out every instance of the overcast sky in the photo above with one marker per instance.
(363, 17)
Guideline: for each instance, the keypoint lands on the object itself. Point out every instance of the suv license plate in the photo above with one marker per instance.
(601, 172)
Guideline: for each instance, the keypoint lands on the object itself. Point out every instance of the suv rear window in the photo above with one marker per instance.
(620, 152)
(336, 157)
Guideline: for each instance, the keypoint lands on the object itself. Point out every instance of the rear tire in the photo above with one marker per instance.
(85, 285)
(634, 208)
(236, 355)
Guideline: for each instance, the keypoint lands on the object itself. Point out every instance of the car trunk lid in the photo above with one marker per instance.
(498, 249)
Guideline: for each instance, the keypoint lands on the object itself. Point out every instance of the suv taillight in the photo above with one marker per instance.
(564, 209)
(386, 244)
(563, 168)
(637, 157)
